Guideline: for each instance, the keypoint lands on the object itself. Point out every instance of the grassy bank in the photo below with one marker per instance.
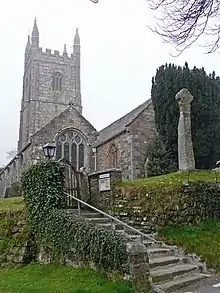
(35, 278)
(11, 204)
(177, 178)
(13, 232)
(204, 240)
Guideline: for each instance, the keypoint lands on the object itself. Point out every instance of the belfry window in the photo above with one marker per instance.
(57, 81)
(113, 156)
(70, 144)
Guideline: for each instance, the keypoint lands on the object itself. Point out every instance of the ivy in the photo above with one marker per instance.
(61, 234)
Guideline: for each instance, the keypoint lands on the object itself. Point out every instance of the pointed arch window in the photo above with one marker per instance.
(57, 82)
(71, 145)
(113, 156)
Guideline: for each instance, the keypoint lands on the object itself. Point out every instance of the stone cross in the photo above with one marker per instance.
(185, 146)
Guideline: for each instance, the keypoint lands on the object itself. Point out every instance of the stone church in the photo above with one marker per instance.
(51, 111)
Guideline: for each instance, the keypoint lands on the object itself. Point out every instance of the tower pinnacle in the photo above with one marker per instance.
(28, 45)
(65, 51)
(35, 35)
(76, 38)
(27, 52)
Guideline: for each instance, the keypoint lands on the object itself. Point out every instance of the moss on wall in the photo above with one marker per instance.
(16, 244)
(167, 200)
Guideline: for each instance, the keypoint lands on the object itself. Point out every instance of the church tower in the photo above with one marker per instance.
(51, 82)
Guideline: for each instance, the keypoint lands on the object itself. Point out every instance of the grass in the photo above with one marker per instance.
(15, 204)
(36, 278)
(177, 178)
(204, 240)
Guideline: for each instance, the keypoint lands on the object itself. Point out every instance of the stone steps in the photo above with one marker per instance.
(100, 220)
(166, 260)
(158, 251)
(181, 282)
(169, 270)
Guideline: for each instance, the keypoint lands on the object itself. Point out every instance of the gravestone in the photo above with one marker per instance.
(185, 147)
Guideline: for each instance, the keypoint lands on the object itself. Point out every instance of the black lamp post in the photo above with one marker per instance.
(49, 150)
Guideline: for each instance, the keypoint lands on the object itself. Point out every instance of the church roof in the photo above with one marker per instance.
(118, 126)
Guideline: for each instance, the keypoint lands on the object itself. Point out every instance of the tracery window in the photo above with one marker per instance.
(113, 156)
(70, 144)
(57, 81)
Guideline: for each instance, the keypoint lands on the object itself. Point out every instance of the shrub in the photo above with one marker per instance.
(160, 160)
(63, 235)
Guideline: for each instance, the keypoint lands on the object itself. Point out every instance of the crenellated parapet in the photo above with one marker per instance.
(44, 54)
(34, 51)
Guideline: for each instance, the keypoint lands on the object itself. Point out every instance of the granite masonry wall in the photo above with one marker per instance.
(32, 153)
(68, 119)
(123, 145)
(40, 101)
(103, 200)
(142, 130)
(131, 146)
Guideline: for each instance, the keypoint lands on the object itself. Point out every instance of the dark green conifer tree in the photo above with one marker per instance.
(159, 159)
(169, 79)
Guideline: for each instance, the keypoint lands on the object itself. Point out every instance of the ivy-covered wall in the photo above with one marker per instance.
(153, 206)
(65, 237)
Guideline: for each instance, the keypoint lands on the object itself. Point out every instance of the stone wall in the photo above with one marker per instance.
(68, 119)
(16, 242)
(103, 199)
(131, 146)
(19, 247)
(142, 130)
(123, 145)
(40, 102)
(151, 206)
(33, 152)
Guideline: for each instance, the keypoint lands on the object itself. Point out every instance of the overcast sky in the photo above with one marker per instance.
(119, 55)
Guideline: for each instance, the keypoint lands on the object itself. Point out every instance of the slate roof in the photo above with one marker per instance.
(118, 126)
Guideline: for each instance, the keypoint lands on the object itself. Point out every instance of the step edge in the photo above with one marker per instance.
(181, 280)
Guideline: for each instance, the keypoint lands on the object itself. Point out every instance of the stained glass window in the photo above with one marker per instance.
(71, 145)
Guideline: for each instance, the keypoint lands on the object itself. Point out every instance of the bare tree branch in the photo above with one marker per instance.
(183, 22)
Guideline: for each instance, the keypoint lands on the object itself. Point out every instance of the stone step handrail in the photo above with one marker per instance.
(113, 219)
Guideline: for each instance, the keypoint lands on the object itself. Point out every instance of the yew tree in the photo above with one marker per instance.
(169, 79)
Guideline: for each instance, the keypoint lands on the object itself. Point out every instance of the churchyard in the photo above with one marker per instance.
(156, 234)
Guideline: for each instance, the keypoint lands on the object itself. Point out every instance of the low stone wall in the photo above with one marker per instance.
(136, 269)
(16, 245)
(102, 186)
(151, 207)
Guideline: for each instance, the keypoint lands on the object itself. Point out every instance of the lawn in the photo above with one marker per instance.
(204, 240)
(177, 178)
(36, 278)
(13, 204)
